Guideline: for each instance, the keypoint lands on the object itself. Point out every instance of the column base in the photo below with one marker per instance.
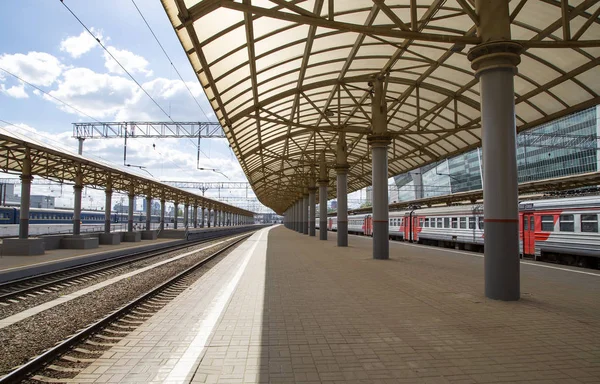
(381, 241)
(79, 242)
(132, 237)
(32, 246)
(149, 235)
(342, 233)
(110, 238)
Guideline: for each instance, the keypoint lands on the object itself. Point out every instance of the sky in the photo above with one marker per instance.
(45, 45)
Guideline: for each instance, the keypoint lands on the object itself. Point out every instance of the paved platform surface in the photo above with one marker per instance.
(54, 255)
(285, 308)
(8, 263)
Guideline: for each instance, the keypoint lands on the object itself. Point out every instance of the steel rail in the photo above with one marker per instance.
(51, 354)
(65, 275)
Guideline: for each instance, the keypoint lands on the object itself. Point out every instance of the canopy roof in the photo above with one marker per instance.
(286, 77)
(60, 165)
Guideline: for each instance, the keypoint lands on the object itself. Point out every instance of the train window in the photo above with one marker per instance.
(426, 222)
(567, 223)
(446, 222)
(439, 222)
(589, 223)
(454, 222)
(421, 221)
(525, 223)
(481, 222)
(532, 223)
(547, 223)
(471, 223)
(463, 222)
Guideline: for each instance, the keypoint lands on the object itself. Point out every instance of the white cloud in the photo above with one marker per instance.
(132, 62)
(78, 45)
(98, 95)
(16, 91)
(172, 96)
(38, 68)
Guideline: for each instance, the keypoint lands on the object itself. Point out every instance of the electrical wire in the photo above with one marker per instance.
(49, 95)
(115, 59)
(169, 58)
(121, 65)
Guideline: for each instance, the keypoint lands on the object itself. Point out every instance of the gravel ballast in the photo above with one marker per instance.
(30, 302)
(32, 336)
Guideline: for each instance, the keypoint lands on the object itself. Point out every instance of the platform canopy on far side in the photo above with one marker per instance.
(285, 78)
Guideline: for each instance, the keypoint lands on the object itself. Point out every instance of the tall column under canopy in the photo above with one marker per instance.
(341, 170)
(323, 183)
(495, 61)
(379, 141)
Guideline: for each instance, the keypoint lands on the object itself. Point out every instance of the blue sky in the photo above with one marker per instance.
(45, 45)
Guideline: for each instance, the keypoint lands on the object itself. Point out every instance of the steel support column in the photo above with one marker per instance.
(107, 204)
(323, 183)
(175, 214)
(77, 188)
(379, 141)
(148, 211)
(202, 217)
(186, 215)
(130, 212)
(162, 213)
(195, 216)
(312, 209)
(305, 213)
(494, 62)
(341, 170)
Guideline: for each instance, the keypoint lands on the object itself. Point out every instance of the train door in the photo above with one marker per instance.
(415, 225)
(528, 234)
(407, 229)
(329, 224)
(368, 225)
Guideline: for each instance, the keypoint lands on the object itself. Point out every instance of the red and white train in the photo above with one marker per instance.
(558, 230)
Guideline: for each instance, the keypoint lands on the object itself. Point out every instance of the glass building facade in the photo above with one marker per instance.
(563, 147)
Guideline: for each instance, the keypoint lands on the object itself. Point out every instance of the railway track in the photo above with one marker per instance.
(113, 326)
(15, 291)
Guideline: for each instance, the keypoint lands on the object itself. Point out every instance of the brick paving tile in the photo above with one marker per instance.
(306, 311)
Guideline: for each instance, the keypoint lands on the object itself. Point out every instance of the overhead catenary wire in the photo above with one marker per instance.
(176, 70)
(121, 65)
(115, 59)
(169, 58)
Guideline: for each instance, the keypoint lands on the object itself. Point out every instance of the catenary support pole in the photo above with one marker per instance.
(495, 61)
(341, 170)
(323, 183)
(379, 141)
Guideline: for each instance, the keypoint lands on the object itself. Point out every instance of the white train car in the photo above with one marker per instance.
(561, 230)
(457, 226)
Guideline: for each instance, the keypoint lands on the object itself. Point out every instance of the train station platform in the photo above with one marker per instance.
(15, 267)
(283, 308)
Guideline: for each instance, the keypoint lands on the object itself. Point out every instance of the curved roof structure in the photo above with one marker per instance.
(60, 165)
(285, 78)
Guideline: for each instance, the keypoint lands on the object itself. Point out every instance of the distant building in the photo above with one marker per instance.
(333, 204)
(42, 201)
(563, 147)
